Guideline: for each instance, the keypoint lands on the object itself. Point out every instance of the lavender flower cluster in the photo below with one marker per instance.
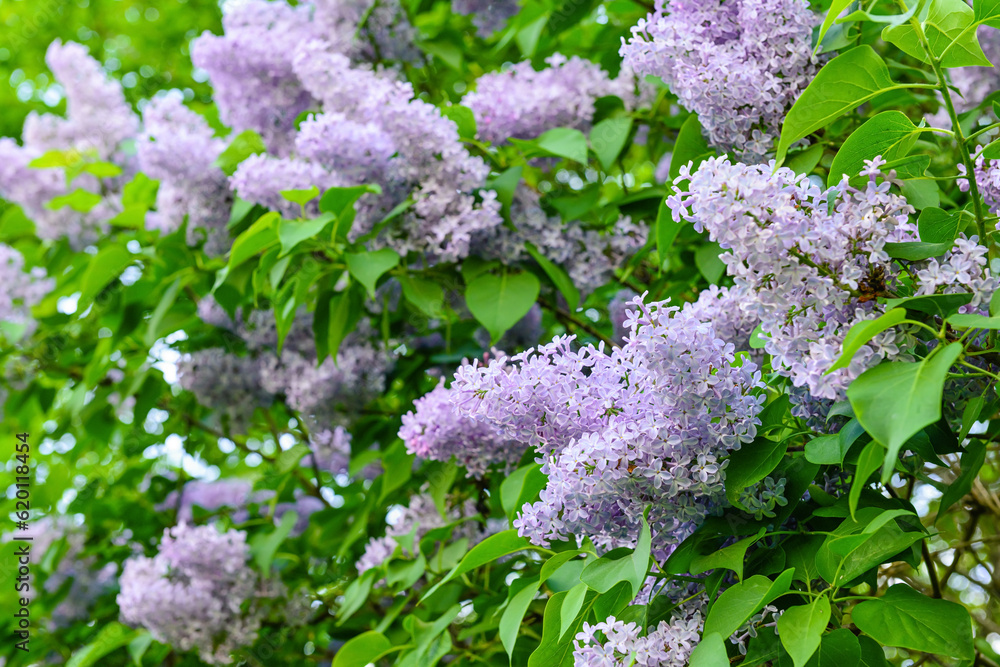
(612, 643)
(435, 430)
(98, 121)
(648, 423)
(192, 593)
(236, 385)
(808, 264)
(178, 148)
(738, 64)
(22, 289)
(522, 102)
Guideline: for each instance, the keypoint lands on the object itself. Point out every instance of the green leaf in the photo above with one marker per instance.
(872, 654)
(893, 401)
(608, 137)
(837, 8)
(950, 33)
(741, 601)
(758, 339)
(163, 306)
(689, 147)
(111, 637)
(522, 592)
(804, 161)
(301, 197)
(864, 331)
(290, 458)
(498, 302)
(666, 229)
(425, 294)
(505, 185)
(987, 12)
(554, 649)
(839, 648)
(905, 618)
(79, 200)
(138, 647)
(706, 258)
(915, 251)
(869, 460)
(463, 118)
(242, 146)
(263, 546)
(493, 547)
(889, 134)
(368, 267)
(564, 142)
(258, 236)
(921, 193)
(293, 232)
(849, 551)
(972, 321)
(552, 565)
(750, 464)
(832, 449)
(571, 606)
(106, 265)
(941, 305)
(971, 463)
(844, 83)
(558, 276)
(336, 315)
(621, 565)
(801, 628)
(938, 226)
(364, 649)
(520, 486)
(710, 652)
(340, 202)
(730, 558)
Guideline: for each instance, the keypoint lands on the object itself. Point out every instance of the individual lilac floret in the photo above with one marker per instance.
(612, 643)
(21, 289)
(809, 264)
(738, 64)
(178, 148)
(98, 120)
(522, 102)
(191, 595)
(435, 430)
(487, 15)
(653, 419)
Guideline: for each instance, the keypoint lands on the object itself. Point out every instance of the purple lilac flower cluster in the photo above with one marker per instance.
(22, 289)
(738, 64)
(808, 264)
(613, 643)
(487, 15)
(98, 120)
(522, 102)
(229, 493)
(435, 430)
(178, 148)
(192, 593)
(652, 419)
(236, 385)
